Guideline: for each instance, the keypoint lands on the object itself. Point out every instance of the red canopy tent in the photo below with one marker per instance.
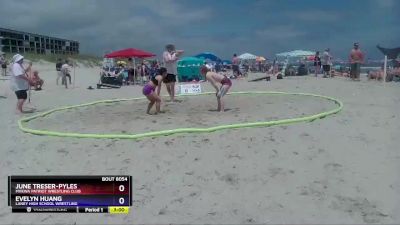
(130, 53)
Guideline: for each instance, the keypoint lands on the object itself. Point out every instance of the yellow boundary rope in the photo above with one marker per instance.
(310, 118)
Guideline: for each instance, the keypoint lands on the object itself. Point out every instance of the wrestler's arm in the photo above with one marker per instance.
(213, 82)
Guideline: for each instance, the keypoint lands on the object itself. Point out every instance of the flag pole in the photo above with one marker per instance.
(384, 68)
(74, 75)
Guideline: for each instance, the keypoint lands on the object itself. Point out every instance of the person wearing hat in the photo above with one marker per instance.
(3, 63)
(19, 81)
(356, 59)
(170, 57)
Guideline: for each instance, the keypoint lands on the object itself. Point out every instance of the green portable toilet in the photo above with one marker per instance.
(189, 69)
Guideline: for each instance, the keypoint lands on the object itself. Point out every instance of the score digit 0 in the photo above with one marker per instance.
(121, 188)
(121, 201)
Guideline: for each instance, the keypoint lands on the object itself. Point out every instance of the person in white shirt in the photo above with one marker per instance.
(20, 82)
(170, 57)
(326, 62)
(65, 70)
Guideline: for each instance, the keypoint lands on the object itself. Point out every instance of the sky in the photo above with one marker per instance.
(224, 27)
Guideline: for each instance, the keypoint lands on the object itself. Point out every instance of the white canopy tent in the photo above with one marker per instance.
(247, 56)
(295, 53)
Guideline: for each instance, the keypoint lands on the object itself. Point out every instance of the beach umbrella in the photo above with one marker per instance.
(247, 56)
(129, 53)
(390, 53)
(260, 59)
(209, 56)
(310, 58)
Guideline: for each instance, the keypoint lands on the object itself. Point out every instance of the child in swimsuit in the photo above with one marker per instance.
(153, 95)
(37, 81)
(216, 79)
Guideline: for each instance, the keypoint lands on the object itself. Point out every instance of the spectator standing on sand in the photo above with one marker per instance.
(235, 65)
(3, 64)
(317, 63)
(327, 62)
(153, 69)
(131, 72)
(143, 72)
(356, 59)
(58, 69)
(170, 57)
(20, 82)
(65, 70)
(275, 67)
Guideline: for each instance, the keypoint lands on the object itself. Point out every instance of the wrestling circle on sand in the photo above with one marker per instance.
(22, 122)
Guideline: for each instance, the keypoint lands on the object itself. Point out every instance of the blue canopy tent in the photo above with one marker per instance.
(226, 62)
(189, 68)
(209, 56)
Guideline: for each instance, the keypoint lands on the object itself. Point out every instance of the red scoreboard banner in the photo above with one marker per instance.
(74, 194)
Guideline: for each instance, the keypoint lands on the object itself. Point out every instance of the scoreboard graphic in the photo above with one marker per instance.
(70, 194)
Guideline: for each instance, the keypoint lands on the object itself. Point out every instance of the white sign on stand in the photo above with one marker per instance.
(189, 89)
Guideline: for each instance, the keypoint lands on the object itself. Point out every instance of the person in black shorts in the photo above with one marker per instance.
(317, 63)
(235, 66)
(326, 63)
(20, 82)
(170, 57)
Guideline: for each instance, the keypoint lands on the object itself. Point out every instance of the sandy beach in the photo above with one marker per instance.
(340, 169)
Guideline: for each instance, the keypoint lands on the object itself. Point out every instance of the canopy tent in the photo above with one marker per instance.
(129, 53)
(209, 56)
(247, 56)
(190, 61)
(295, 53)
(189, 68)
(226, 62)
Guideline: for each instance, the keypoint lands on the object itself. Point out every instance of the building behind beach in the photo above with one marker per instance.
(12, 41)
